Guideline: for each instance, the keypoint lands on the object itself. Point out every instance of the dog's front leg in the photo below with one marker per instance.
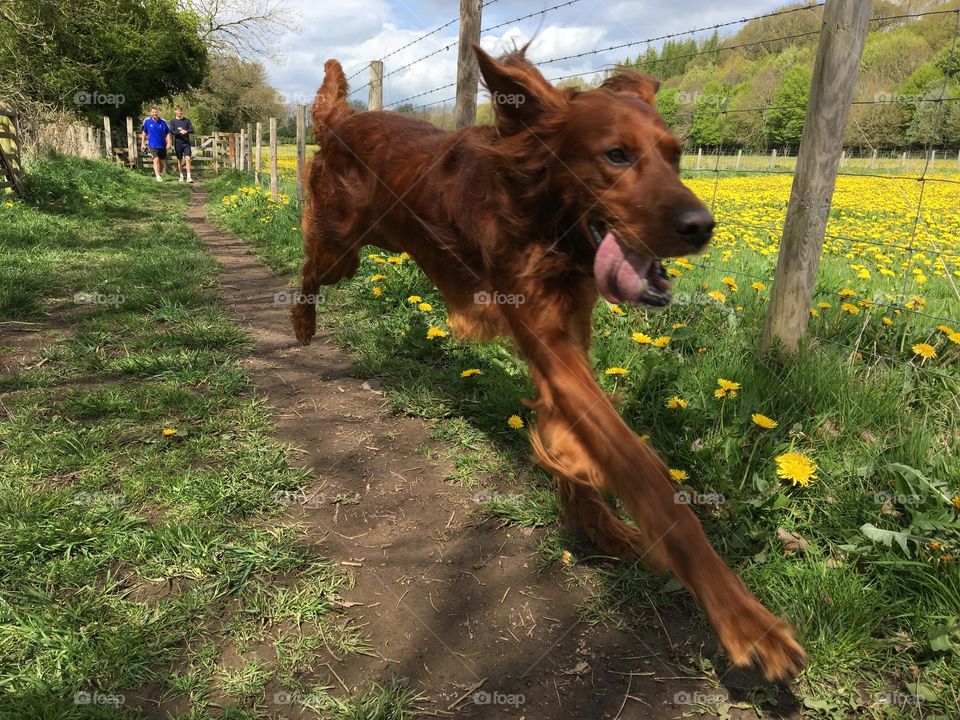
(582, 439)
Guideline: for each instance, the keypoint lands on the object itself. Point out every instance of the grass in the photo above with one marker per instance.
(141, 535)
(875, 594)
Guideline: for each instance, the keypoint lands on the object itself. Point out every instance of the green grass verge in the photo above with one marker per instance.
(141, 529)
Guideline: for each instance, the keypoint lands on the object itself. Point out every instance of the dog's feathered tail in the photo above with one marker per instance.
(331, 98)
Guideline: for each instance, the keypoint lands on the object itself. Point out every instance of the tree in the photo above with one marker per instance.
(97, 57)
(709, 120)
(249, 29)
(237, 92)
(784, 122)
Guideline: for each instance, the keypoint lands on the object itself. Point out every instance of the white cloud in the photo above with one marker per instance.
(357, 31)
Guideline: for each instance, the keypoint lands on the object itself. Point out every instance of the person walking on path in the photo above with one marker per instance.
(156, 137)
(182, 129)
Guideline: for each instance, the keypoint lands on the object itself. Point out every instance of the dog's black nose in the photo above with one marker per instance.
(694, 225)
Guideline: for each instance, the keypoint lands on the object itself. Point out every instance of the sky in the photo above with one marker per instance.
(358, 31)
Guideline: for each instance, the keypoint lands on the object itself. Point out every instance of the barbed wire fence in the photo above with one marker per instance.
(856, 160)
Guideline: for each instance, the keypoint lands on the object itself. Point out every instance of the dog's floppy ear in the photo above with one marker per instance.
(630, 81)
(519, 93)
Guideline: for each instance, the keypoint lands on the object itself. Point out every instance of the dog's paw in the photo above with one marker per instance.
(304, 319)
(755, 637)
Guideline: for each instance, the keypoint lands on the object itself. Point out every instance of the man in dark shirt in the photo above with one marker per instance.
(181, 128)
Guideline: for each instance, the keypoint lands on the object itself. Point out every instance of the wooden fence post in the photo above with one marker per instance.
(468, 68)
(301, 147)
(699, 156)
(873, 160)
(215, 146)
(232, 149)
(376, 86)
(256, 154)
(273, 157)
(739, 157)
(773, 158)
(131, 145)
(842, 37)
(107, 138)
(239, 150)
(248, 148)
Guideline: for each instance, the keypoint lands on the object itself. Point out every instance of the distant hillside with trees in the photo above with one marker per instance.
(763, 82)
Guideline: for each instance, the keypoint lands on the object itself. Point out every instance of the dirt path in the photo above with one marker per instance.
(450, 602)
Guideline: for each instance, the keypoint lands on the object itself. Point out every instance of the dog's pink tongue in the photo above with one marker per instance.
(620, 273)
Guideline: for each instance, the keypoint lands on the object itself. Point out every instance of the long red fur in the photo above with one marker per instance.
(499, 209)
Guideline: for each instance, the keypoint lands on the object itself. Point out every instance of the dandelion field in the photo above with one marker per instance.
(833, 477)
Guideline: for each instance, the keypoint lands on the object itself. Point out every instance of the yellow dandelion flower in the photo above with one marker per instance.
(404, 255)
(471, 372)
(616, 309)
(763, 421)
(642, 338)
(674, 273)
(945, 329)
(925, 350)
(515, 421)
(566, 557)
(414, 299)
(717, 295)
(824, 305)
(377, 291)
(662, 341)
(886, 321)
(956, 502)
(954, 338)
(676, 403)
(814, 312)
(848, 308)
(434, 332)
(615, 371)
(678, 325)
(424, 307)
(730, 283)
(377, 259)
(378, 278)
(797, 468)
(679, 475)
(847, 292)
(167, 432)
(759, 286)
(727, 388)
(394, 260)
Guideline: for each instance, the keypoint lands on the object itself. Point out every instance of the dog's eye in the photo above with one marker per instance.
(618, 156)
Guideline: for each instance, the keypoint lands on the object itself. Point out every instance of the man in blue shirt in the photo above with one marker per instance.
(156, 136)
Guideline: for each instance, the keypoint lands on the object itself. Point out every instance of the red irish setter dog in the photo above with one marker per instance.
(569, 194)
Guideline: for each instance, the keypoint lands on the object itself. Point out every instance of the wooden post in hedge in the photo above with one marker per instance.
(248, 148)
(215, 147)
(273, 157)
(844, 32)
(107, 138)
(468, 68)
